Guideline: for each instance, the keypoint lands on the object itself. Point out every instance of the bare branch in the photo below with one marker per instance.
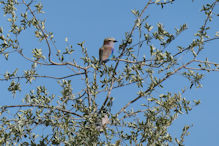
(212, 39)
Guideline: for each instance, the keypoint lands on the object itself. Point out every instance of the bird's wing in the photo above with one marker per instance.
(112, 51)
(107, 50)
(100, 54)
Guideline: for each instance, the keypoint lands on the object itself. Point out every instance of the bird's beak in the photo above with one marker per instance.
(115, 41)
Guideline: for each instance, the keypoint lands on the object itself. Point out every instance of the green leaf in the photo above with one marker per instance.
(66, 39)
(157, 1)
(1, 29)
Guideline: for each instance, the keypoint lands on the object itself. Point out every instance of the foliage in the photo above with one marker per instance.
(77, 118)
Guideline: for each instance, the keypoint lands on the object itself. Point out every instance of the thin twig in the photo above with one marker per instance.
(41, 29)
(206, 21)
(88, 88)
(132, 113)
(43, 76)
(202, 69)
(42, 106)
(171, 1)
(134, 62)
(208, 40)
(31, 60)
(118, 86)
(208, 62)
(53, 64)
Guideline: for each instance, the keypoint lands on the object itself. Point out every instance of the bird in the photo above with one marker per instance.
(106, 51)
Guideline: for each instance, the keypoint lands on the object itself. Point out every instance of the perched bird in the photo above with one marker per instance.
(106, 51)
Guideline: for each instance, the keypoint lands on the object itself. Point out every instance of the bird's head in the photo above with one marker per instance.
(109, 41)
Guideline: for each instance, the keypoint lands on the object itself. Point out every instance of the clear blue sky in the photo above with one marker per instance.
(92, 21)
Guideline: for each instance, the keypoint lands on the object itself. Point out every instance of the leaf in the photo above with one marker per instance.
(9, 19)
(66, 39)
(2, 37)
(134, 12)
(6, 56)
(138, 22)
(157, 1)
(38, 54)
(1, 29)
(150, 28)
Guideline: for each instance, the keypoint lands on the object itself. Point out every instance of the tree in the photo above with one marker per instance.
(88, 115)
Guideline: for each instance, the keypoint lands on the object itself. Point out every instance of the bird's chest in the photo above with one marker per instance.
(107, 51)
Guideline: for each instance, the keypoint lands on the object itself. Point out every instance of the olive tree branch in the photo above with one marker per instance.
(150, 89)
(178, 53)
(43, 76)
(41, 29)
(203, 69)
(170, 1)
(88, 87)
(48, 44)
(206, 62)
(132, 113)
(53, 64)
(203, 28)
(118, 86)
(42, 106)
(208, 40)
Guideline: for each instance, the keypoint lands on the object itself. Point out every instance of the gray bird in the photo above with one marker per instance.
(106, 51)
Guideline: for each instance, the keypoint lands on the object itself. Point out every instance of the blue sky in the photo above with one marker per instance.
(92, 21)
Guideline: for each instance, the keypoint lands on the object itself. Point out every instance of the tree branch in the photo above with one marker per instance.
(42, 106)
(203, 69)
(150, 89)
(48, 44)
(44, 76)
(52, 64)
(88, 88)
(41, 29)
(208, 62)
